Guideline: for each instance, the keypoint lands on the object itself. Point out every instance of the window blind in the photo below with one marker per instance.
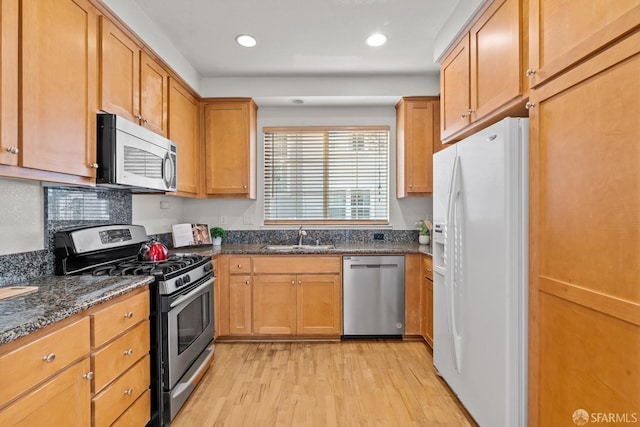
(326, 175)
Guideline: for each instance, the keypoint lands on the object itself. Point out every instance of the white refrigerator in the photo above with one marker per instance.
(480, 213)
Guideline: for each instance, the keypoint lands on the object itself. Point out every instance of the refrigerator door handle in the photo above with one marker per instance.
(453, 282)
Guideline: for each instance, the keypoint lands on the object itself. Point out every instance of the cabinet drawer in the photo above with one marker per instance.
(116, 357)
(239, 265)
(122, 393)
(33, 362)
(427, 267)
(112, 320)
(297, 264)
(138, 414)
(62, 401)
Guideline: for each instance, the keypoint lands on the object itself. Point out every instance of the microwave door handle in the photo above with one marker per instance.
(188, 296)
(167, 170)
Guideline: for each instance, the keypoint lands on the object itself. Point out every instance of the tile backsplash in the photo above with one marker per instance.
(65, 207)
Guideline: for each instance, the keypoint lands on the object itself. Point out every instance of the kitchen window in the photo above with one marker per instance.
(326, 175)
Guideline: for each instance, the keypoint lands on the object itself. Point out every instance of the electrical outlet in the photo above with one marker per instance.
(378, 236)
(223, 220)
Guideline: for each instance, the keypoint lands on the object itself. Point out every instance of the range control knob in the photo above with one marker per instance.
(179, 282)
(187, 278)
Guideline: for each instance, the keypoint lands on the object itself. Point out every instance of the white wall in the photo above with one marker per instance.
(21, 216)
(249, 214)
(459, 18)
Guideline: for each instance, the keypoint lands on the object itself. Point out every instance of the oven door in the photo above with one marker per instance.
(187, 319)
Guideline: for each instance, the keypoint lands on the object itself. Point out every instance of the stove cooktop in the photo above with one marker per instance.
(133, 266)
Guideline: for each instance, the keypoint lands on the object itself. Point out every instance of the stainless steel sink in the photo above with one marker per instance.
(302, 248)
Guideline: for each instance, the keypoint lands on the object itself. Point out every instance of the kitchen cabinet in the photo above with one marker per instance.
(412, 292)
(9, 18)
(120, 338)
(564, 33)
(417, 133)
(275, 304)
(57, 101)
(230, 147)
(427, 299)
(183, 121)
(240, 296)
(133, 85)
(584, 327)
(483, 78)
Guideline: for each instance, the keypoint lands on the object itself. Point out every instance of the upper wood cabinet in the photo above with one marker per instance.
(9, 146)
(483, 78)
(563, 33)
(132, 84)
(230, 147)
(417, 131)
(183, 130)
(58, 92)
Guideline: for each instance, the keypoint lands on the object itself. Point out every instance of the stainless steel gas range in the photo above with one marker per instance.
(181, 305)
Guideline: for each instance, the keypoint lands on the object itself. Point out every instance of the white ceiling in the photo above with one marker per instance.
(302, 37)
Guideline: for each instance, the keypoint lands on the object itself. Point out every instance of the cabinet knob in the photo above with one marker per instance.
(471, 112)
(12, 150)
(463, 116)
(529, 105)
(128, 352)
(128, 315)
(94, 166)
(410, 185)
(128, 391)
(49, 357)
(530, 72)
(239, 265)
(293, 282)
(299, 282)
(246, 282)
(138, 117)
(88, 376)
(244, 186)
(145, 121)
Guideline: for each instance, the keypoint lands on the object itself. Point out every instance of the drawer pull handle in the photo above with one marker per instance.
(128, 391)
(246, 282)
(128, 352)
(88, 376)
(128, 315)
(239, 265)
(49, 357)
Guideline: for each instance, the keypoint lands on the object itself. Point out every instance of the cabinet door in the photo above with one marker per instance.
(119, 72)
(420, 131)
(65, 400)
(319, 304)
(9, 148)
(427, 312)
(230, 148)
(454, 90)
(412, 285)
(274, 304)
(585, 155)
(153, 95)
(59, 86)
(496, 72)
(240, 305)
(183, 130)
(564, 32)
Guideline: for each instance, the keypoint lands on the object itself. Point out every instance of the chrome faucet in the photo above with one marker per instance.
(301, 234)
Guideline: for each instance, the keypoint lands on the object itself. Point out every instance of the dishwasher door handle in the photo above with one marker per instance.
(355, 266)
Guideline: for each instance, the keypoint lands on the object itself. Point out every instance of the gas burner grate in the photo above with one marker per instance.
(134, 267)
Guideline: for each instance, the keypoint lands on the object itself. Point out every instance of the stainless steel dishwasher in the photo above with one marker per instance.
(373, 296)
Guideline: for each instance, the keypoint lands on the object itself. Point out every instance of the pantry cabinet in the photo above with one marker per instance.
(133, 85)
(563, 33)
(417, 133)
(230, 147)
(483, 78)
(9, 146)
(585, 155)
(183, 131)
(58, 90)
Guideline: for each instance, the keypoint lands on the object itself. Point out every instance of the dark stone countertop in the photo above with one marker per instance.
(384, 248)
(57, 298)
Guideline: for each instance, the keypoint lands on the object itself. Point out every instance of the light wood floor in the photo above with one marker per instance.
(349, 383)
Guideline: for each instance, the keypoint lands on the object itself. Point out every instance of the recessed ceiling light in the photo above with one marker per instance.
(245, 40)
(297, 101)
(376, 39)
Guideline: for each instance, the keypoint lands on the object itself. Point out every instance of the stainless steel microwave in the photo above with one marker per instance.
(131, 156)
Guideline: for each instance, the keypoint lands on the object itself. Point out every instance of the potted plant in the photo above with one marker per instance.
(424, 231)
(217, 233)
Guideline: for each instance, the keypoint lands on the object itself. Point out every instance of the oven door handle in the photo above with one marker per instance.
(191, 294)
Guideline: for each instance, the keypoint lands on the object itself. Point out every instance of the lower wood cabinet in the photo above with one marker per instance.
(427, 299)
(412, 292)
(280, 295)
(90, 369)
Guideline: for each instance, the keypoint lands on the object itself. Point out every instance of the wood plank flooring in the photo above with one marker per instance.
(349, 383)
